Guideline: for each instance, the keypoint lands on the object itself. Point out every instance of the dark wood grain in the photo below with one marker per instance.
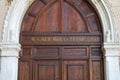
(46, 70)
(75, 70)
(61, 40)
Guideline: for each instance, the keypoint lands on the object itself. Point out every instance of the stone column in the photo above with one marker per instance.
(111, 61)
(9, 61)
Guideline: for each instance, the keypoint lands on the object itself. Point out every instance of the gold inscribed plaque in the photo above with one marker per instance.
(59, 39)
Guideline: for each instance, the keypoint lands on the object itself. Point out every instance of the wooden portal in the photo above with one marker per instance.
(61, 40)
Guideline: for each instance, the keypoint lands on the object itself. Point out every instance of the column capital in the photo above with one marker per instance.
(111, 49)
(10, 49)
(112, 46)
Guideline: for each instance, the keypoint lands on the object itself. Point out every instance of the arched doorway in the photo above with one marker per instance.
(61, 40)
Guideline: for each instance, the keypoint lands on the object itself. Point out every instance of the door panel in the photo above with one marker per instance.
(46, 70)
(75, 52)
(46, 52)
(73, 21)
(95, 52)
(48, 19)
(75, 70)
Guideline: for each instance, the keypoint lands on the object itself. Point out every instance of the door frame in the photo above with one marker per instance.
(10, 45)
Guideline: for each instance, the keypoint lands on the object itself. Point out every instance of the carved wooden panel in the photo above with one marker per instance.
(75, 52)
(46, 70)
(48, 19)
(61, 16)
(73, 21)
(46, 52)
(26, 52)
(96, 51)
(75, 70)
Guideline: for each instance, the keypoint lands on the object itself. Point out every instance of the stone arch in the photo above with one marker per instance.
(12, 29)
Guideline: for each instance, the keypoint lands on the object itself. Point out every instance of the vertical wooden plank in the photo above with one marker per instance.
(96, 70)
(61, 15)
(24, 71)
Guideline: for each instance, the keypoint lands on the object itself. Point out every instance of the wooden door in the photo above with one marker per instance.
(61, 40)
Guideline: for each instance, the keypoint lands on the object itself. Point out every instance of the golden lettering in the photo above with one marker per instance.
(66, 39)
(71, 39)
(74, 39)
(33, 39)
(48, 39)
(57, 39)
(77, 39)
(43, 39)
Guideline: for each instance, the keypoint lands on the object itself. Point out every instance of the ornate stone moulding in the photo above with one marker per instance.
(10, 49)
(101, 7)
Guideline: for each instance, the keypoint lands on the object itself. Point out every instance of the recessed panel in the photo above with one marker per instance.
(95, 51)
(73, 21)
(93, 23)
(75, 70)
(26, 52)
(78, 71)
(76, 52)
(27, 23)
(46, 52)
(46, 70)
(34, 10)
(48, 19)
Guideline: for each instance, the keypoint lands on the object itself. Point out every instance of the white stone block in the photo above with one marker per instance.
(9, 68)
(114, 2)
